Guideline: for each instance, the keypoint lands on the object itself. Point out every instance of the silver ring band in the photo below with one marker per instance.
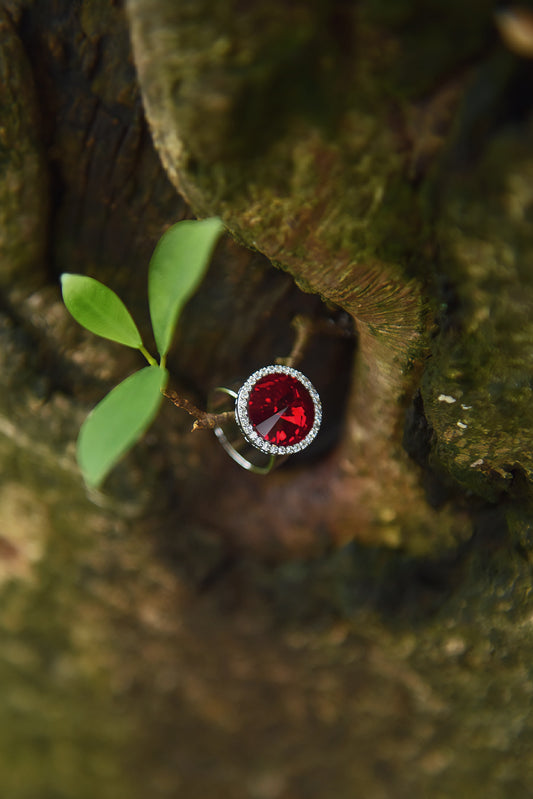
(234, 454)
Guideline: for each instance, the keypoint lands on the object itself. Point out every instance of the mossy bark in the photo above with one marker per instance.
(359, 623)
(352, 193)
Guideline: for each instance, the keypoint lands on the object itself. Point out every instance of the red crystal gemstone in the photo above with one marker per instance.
(281, 409)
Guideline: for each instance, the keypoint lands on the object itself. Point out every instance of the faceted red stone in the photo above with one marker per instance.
(281, 409)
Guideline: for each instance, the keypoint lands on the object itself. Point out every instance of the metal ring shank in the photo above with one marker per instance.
(234, 454)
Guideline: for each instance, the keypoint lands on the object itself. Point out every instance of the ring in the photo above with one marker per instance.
(277, 413)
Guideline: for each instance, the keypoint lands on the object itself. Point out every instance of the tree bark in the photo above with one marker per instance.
(357, 622)
(360, 195)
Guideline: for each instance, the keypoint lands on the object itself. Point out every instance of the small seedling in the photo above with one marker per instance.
(176, 269)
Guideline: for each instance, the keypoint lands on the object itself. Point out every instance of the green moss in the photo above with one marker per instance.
(63, 730)
(484, 358)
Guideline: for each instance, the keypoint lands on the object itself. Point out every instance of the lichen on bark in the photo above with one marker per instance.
(478, 387)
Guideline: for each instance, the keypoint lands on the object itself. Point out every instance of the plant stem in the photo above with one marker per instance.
(305, 328)
(203, 419)
(144, 351)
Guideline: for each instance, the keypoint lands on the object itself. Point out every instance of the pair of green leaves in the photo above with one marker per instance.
(176, 269)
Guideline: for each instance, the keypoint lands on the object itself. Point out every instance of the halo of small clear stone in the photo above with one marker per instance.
(242, 418)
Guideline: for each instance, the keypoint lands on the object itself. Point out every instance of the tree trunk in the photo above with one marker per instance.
(358, 622)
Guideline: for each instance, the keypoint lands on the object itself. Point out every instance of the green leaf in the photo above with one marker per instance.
(177, 267)
(118, 421)
(99, 309)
